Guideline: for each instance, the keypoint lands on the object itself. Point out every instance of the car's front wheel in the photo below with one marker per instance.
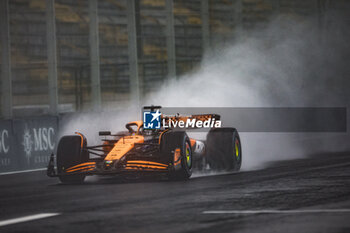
(69, 153)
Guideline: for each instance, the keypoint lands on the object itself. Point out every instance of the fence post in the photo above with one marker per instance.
(94, 55)
(6, 78)
(170, 38)
(205, 25)
(276, 6)
(51, 56)
(132, 50)
(238, 17)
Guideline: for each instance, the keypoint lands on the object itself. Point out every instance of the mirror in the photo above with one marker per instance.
(104, 133)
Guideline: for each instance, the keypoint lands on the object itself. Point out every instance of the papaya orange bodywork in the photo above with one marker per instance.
(160, 136)
(138, 123)
(141, 169)
(82, 138)
(193, 142)
(81, 165)
(177, 156)
(144, 166)
(123, 146)
(147, 163)
(82, 168)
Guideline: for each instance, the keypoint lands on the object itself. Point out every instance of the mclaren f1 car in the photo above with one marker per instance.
(138, 151)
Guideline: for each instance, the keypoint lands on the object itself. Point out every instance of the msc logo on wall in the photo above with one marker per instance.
(151, 120)
(4, 141)
(38, 139)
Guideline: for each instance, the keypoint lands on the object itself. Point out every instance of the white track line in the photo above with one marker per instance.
(276, 211)
(27, 218)
(16, 172)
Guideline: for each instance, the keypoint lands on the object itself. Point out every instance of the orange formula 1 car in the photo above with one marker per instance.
(140, 151)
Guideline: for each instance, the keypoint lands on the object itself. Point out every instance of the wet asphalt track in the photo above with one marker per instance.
(318, 183)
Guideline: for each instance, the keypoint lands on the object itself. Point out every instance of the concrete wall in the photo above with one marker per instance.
(27, 143)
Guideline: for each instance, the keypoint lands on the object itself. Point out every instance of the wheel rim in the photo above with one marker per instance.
(237, 152)
(188, 155)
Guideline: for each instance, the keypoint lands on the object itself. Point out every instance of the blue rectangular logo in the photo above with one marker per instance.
(151, 120)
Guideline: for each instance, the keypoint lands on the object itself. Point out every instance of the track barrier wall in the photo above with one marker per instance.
(27, 143)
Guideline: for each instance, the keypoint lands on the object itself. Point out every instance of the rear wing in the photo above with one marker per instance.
(152, 108)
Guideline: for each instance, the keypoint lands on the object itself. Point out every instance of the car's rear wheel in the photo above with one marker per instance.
(223, 149)
(69, 153)
(176, 149)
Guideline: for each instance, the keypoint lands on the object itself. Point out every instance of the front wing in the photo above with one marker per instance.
(109, 168)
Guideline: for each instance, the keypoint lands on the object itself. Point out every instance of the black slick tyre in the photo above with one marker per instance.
(177, 140)
(69, 153)
(223, 149)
